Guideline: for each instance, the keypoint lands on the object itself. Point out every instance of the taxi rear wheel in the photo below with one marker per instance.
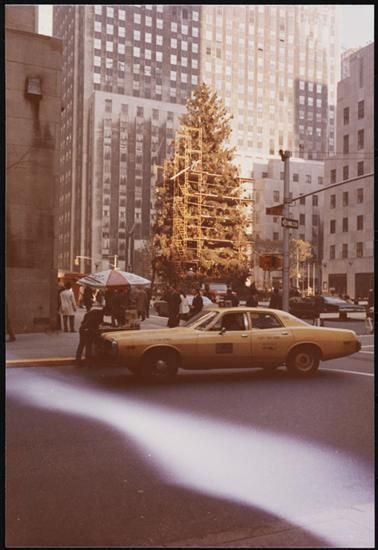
(303, 360)
(159, 366)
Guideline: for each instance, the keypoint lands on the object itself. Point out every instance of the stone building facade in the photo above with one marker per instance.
(33, 103)
(348, 263)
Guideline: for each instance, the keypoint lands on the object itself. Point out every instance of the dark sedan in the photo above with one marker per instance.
(304, 307)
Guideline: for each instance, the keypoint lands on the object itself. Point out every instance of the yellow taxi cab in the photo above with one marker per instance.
(229, 338)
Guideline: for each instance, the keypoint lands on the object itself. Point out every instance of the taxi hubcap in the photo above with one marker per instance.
(304, 361)
(161, 365)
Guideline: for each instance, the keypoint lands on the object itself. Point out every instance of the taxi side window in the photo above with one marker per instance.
(231, 321)
(264, 321)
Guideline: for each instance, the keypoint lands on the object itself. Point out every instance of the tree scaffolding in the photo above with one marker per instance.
(202, 217)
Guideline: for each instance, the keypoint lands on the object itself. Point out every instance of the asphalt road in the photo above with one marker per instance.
(93, 458)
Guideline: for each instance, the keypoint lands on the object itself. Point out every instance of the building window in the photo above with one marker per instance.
(346, 144)
(302, 200)
(360, 139)
(345, 225)
(360, 195)
(265, 175)
(332, 226)
(361, 109)
(315, 219)
(315, 200)
(332, 252)
(108, 105)
(295, 177)
(333, 175)
(332, 201)
(302, 219)
(360, 223)
(360, 168)
(346, 115)
(276, 196)
(344, 251)
(345, 198)
(345, 172)
(359, 250)
(281, 175)
(361, 72)
(308, 178)
(275, 236)
(320, 180)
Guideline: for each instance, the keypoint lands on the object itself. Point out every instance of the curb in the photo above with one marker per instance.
(45, 362)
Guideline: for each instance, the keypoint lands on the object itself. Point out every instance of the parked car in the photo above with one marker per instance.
(161, 306)
(304, 307)
(230, 337)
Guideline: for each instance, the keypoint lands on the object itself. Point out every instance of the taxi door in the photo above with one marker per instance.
(270, 339)
(227, 344)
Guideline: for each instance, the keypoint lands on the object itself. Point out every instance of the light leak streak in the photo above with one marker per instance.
(246, 465)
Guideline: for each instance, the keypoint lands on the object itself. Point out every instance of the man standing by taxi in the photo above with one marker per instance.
(174, 301)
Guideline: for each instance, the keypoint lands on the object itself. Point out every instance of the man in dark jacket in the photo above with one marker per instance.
(88, 330)
(197, 303)
(232, 297)
(276, 299)
(174, 301)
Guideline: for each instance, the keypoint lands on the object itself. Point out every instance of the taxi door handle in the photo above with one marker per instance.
(284, 333)
(244, 335)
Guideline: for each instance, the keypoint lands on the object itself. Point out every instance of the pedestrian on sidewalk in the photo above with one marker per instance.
(88, 298)
(174, 301)
(88, 331)
(276, 299)
(68, 307)
(141, 303)
(58, 315)
(184, 306)
(197, 303)
(10, 332)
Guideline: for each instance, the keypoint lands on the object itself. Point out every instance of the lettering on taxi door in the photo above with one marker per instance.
(223, 348)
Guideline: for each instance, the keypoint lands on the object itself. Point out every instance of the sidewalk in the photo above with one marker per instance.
(50, 348)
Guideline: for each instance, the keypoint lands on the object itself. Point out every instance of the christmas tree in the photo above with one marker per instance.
(200, 223)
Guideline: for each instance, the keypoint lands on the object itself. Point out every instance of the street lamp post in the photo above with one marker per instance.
(285, 157)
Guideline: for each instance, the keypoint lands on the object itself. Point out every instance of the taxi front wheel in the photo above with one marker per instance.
(303, 360)
(159, 366)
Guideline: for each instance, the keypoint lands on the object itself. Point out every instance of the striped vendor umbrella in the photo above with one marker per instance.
(112, 278)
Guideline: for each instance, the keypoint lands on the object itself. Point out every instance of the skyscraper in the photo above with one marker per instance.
(277, 68)
(128, 71)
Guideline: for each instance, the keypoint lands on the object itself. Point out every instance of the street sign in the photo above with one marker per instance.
(274, 210)
(287, 222)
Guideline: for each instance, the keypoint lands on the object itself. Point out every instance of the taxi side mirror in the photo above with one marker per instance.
(222, 331)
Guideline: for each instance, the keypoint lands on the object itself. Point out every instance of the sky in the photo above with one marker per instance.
(357, 24)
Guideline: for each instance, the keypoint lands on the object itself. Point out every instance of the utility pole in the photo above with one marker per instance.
(285, 157)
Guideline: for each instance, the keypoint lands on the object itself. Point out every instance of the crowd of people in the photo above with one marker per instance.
(98, 303)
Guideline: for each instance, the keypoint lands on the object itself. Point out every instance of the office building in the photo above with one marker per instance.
(348, 208)
(276, 67)
(128, 71)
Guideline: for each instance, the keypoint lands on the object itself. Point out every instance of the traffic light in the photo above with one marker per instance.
(274, 210)
(270, 262)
